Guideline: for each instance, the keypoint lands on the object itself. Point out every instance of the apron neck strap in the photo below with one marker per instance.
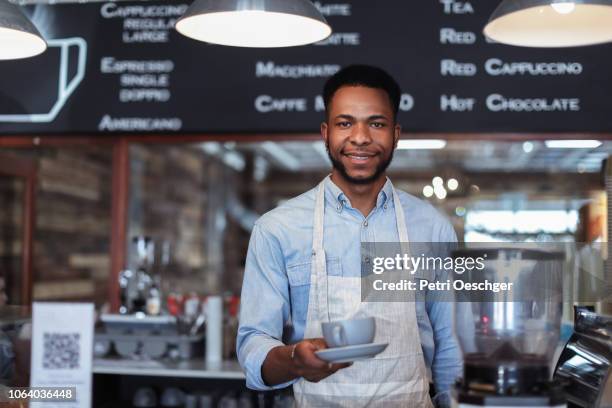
(400, 218)
(318, 281)
(319, 211)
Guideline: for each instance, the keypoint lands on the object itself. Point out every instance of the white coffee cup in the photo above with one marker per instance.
(351, 332)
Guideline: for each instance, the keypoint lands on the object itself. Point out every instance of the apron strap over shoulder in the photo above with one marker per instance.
(319, 263)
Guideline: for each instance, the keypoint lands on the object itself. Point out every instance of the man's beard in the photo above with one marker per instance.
(380, 169)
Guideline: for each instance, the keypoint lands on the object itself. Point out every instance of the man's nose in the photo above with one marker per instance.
(361, 134)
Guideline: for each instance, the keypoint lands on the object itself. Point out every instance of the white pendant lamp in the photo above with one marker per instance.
(18, 36)
(254, 23)
(551, 23)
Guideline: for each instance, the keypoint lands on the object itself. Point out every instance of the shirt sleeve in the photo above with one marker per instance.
(264, 306)
(447, 365)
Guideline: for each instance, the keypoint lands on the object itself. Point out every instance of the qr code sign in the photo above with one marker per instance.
(61, 350)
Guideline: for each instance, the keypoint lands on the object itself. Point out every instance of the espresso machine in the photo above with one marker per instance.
(508, 338)
(136, 281)
(585, 365)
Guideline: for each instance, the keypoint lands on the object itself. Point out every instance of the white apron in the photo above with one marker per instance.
(395, 378)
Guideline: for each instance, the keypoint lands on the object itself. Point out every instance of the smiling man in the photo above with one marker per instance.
(304, 266)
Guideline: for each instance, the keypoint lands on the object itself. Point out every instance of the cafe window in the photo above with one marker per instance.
(71, 224)
(181, 198)
(518, 226)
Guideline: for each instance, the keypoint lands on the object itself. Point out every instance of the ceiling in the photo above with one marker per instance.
(457, 156)
(491, 175)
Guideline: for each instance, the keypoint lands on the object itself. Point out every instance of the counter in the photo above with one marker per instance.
(196, 368)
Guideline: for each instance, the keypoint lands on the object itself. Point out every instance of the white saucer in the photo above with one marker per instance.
(351, 353)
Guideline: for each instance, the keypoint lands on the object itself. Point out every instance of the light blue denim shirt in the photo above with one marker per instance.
(276, 282)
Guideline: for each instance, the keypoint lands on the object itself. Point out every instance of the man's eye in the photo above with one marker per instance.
(343, 124)
(377, 125)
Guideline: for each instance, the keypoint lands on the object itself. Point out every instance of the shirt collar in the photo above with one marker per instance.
(386, 194)
(336, 197)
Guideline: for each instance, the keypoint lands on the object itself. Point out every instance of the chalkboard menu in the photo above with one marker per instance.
(122, 68)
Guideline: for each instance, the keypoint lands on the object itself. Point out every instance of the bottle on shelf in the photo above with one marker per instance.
(154, 300)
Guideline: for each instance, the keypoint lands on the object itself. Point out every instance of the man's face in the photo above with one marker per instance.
(360, 133)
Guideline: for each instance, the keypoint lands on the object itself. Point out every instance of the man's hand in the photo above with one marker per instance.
(308, 365)
(286, 363)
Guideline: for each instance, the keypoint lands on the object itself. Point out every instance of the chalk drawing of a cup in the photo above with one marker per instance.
(36, 89)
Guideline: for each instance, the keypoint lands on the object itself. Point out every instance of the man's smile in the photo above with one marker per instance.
(360, 157)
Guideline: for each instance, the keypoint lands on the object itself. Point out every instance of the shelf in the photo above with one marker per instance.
(227, 370)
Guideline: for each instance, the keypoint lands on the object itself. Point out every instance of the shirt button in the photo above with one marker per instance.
(366, 260)
(385, 207)
(339, 207)
(365, 223)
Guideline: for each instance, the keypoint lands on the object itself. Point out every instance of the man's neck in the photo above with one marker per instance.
(362, 196)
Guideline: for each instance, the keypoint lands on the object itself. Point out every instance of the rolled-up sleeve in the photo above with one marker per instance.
(447, 365)
(264, 306)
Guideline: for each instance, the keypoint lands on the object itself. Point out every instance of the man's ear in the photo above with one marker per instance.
(324, 129)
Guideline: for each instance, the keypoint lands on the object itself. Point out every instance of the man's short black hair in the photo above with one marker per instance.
(363, 75)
